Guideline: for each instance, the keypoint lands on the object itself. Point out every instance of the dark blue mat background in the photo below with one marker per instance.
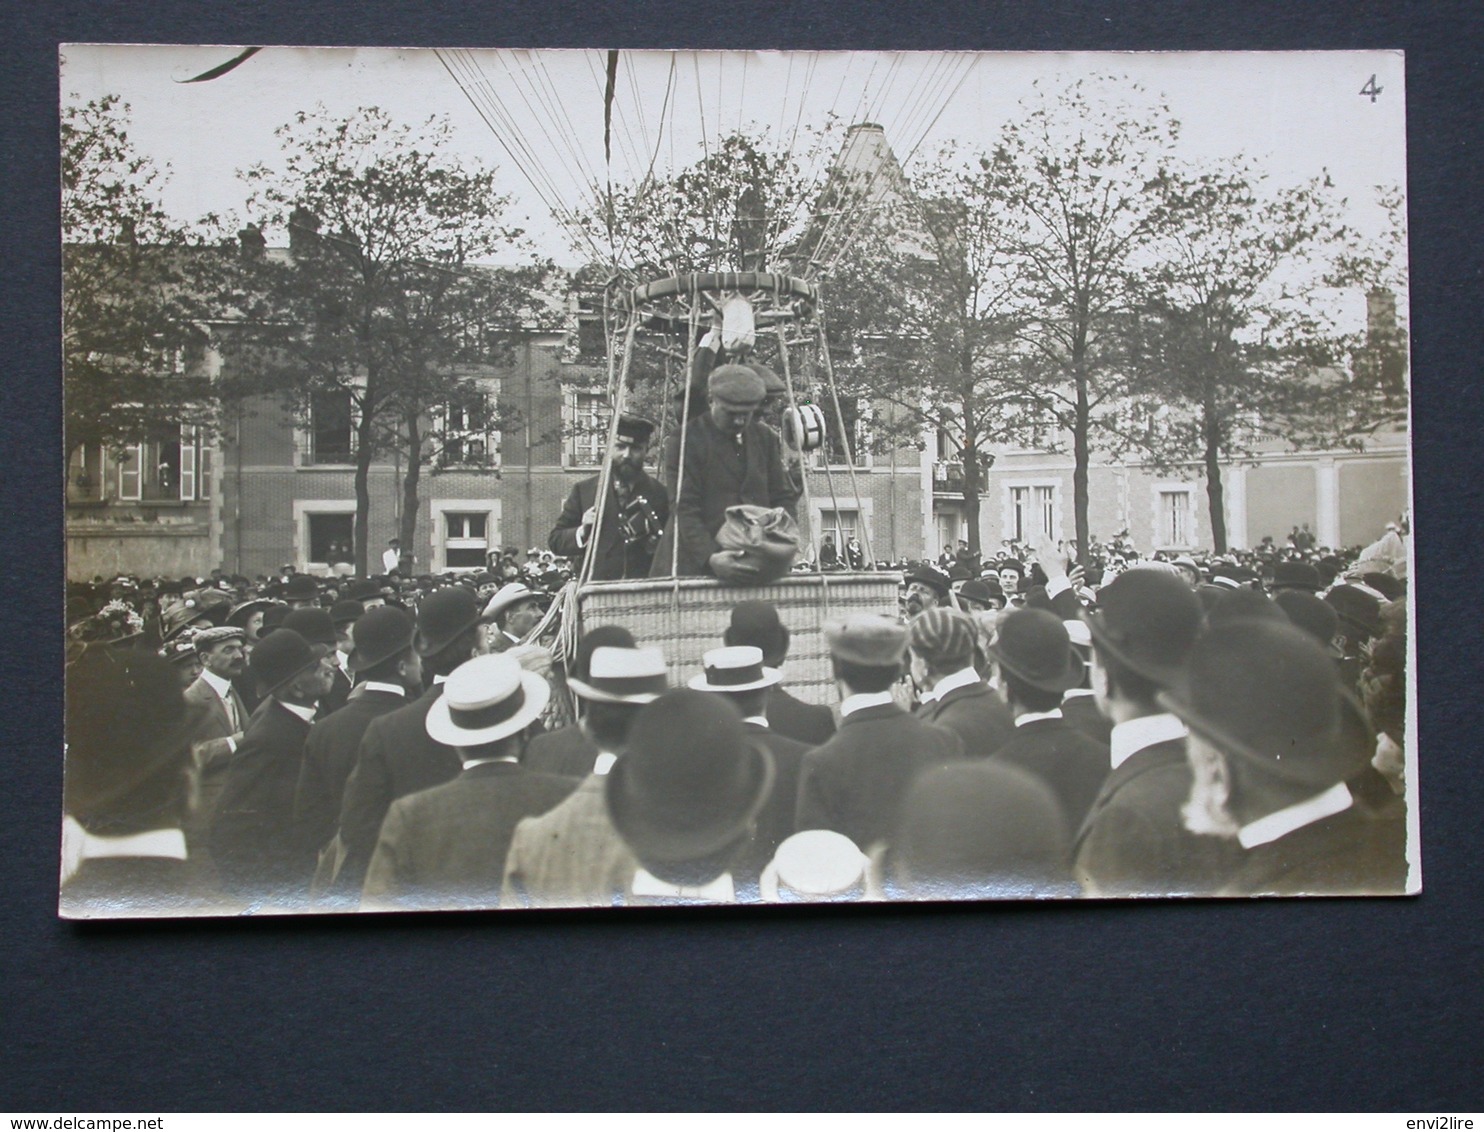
(1354, 1004)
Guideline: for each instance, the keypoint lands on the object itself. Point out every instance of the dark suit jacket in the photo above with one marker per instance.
(616, 559)
(330, 754)
(976, 715)
(336, 697)
(719, 474)
(1071, 765)
(566, 751)
(1352, 852)
(811, 724)
(252, 832)
(855, 784)
(775, 823)
(397, 757)
(1134, 842)
(1081, 713)
(446, 847)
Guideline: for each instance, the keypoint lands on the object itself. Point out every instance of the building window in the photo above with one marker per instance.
(468, 437)
(587, 432)
(949, 524)
(1174, 518)
(172, 469)
(331, 431)
(852, 421)
(331, 537)
(842, 524)
(1032, 512)
(466, 539)
(85, 474)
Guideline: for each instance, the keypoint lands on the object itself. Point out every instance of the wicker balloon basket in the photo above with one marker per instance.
(687, 616)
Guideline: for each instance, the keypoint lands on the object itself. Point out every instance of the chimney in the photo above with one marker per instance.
(252, 242)
(303, 231)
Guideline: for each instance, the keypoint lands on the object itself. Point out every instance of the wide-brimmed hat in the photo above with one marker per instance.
(486, 698)
(1034, 646)
(734, 668)
(313, 624)
(691, 782)
(505, 597)
(280, 656)
(178, 618)
(381, 633)
(598, 637)
(239, 614)
(867, 639)
(443, 615)
(1147, 620)
(617, 675)
(1267, 693)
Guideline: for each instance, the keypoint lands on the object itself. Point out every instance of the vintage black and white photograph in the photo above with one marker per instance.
(602, 478)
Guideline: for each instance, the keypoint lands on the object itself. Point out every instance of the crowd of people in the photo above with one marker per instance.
(1018, 726)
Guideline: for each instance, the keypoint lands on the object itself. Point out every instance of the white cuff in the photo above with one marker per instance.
(581, 537)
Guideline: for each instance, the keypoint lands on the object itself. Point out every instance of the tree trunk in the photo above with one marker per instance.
(1215, 495)
(410, 481)
(1080, 458)
(971, 497)
(365, 450)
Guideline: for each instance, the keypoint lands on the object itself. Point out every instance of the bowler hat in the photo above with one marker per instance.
(736, 385)
(619, 675)
(1268, 694)
(1358, 610)
(301, 587)
(757, 623)
(1313, 615)
(273, 617)
(931, 577)
(1147, 620)
(867, 639)
(943, 636)
(690, 784)
(313, 624)
(981, 593)
(362, 589)
(442, 616)
(346, 612)
(280, 656)
(736, 668)
(1034, 646)
(381, 633)
(486, 698)
(1290, 575)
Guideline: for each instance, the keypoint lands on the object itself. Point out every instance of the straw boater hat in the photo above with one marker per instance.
(485, 699)
(504, 598)
(617, 675)
(814, 865)
(735, 668)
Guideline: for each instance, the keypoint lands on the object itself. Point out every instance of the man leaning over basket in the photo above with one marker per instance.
(729, 458)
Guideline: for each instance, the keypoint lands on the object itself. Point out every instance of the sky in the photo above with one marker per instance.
(1296, 114)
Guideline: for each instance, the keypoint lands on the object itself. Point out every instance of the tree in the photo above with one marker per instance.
(1078, 177)
(1232, 339)
(136, 291)
(388, 300)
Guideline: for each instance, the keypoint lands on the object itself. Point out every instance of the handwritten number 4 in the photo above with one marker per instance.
(1371, 90)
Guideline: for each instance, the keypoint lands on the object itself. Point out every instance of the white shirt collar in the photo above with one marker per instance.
(718, 891)
(497, 759)
(1075, 694)
(344, 659)
(1033, 716)
(1337, 799)
(604, 762)
(855, 703)
(304, 713)
(960, 679)
(1128, 739)
(222, 688)
(440, 679)
(383, 686)
(760, 720)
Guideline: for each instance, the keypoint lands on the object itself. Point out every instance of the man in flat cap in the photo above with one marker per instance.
(637, 509)
(220, 725)
(252, 832)
(855, 783)
(729, 458)
(951, 694)
(1272, 782)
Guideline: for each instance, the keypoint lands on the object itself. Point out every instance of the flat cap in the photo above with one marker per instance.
(736, 385)
(867, 638)
(206, 638)
(942, 635)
